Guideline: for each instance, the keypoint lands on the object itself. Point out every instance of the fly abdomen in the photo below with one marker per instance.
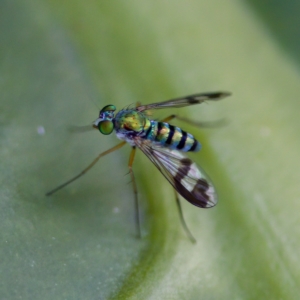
(172, 137)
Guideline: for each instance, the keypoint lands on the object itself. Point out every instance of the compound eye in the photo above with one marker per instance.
(106, 127)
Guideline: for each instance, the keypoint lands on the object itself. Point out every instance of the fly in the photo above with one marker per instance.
(164, 144)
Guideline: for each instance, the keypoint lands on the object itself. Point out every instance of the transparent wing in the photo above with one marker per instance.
(185, 101)
(183, 174)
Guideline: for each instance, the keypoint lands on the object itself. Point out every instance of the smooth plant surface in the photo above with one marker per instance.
(60, 62)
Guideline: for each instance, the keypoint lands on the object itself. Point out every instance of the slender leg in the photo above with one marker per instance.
(87, 168)
(169, 118)
(187, 231)
(136, 200)
(208, 124)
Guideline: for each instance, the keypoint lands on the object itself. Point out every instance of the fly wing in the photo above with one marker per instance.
(183, 174)
(185, 101)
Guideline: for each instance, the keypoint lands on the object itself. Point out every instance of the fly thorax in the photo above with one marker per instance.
(130, 122)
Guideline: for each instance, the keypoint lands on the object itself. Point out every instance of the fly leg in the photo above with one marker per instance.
(136, 200)
(183, 223)
(208, 124)
(86, 169)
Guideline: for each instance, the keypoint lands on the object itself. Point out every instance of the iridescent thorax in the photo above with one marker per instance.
(127, 121)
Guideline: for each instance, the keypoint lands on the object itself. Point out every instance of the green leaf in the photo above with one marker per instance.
(62, 61)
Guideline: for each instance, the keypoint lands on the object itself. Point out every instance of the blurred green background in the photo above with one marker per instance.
(60, 62)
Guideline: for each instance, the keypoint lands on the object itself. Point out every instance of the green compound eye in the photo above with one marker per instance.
(106, 127)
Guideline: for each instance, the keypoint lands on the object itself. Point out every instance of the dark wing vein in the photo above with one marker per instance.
(187, 178)
(185, 101)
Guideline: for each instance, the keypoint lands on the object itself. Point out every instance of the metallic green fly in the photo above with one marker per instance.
(164, 144)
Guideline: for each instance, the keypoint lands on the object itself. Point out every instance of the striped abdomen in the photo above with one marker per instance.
(172, 137)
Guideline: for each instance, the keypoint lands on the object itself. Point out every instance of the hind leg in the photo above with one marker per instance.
(183, 223)
(208, 124)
